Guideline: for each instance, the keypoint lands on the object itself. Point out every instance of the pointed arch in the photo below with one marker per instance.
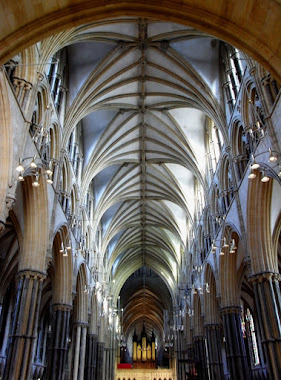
(36, 222)
(229, 286)
(210, 300)
(82, 295)
(63, 266)
(258, 221)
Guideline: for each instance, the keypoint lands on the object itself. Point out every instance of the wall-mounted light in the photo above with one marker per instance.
(33, 168)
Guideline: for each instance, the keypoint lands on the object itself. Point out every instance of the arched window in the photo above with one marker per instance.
(213, 146)
(232, 73)
(56, 77)
(226, 185)
(241, 149)
(253, 117)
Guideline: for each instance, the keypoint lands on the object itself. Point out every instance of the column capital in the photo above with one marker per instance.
(9, 202)
(212, 326)
(230, 310)
(94, 336)
(265, 276)
(61, 307)
(198, 337)
(81, 324)
(253, 70)
(31, 273)
(40, 76)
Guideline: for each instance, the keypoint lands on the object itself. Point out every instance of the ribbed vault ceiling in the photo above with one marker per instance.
(142, 93)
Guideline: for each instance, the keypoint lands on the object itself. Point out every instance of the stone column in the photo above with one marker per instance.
(268, 304)
(190, 351)
(107, 364)
(80, 348)
(214, 339)
(24, 328)
(77, 351)
(57, 358)
(91, 357)
(112, 363)
(200, 354)
(100, 354)
(79, 167)
(235, 347)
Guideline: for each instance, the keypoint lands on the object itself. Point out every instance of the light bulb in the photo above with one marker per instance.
(252, 175)
(233, 247)
(49, 171)
(35, 183)
(254, 165)
(272, 157)
(20, 168)
(221, 253)
(265, 178)
(33, 164)
(49, 180)
(20, 178)
(225, 244)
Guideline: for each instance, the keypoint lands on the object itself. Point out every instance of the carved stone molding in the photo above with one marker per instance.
(61, 306)
(265, 276)
(32, 274)
(9, 202)
(231, 310)
(164, 45)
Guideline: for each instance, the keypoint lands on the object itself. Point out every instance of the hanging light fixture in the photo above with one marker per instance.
(33, 169)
